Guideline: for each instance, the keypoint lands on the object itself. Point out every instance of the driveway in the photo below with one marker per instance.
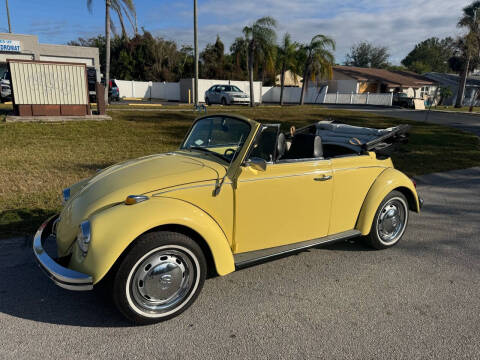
(420, 299)
(467, 122)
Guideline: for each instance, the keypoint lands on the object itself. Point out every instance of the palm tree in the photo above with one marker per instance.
(259, 37)
(120, 7)
(287, 56)
(469, 20)
(319, 60)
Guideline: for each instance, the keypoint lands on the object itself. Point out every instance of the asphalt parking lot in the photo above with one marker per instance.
(420, 299)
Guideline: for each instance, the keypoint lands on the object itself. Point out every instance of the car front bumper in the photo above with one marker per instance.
(60, 275)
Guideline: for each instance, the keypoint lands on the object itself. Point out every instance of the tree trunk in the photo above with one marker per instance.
(305, 82)
(250, 75)
(108, 3)
(282, 82)
(463, 82)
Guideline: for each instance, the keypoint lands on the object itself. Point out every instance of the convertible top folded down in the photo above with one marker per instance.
(359, 139)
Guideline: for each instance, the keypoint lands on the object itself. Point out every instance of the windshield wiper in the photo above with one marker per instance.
(208, 152)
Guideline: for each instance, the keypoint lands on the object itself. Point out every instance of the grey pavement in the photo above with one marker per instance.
(420, 299)
(466, 122)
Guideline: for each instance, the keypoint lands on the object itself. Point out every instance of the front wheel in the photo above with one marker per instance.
(390, 221)
(160, 277)
(224, 101)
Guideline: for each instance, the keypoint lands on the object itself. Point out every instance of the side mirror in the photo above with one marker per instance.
(257, 163)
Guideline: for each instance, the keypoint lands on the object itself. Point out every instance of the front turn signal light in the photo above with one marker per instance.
(135, 199)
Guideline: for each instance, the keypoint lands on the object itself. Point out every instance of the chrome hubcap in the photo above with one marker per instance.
(391, 221)
(162, 280)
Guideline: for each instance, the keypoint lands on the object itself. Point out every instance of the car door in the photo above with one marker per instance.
(286, 203)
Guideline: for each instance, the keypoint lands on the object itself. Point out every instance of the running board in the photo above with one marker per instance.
(249, 258)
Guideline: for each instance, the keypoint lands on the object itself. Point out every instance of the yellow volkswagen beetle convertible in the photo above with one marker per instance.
(236, 192)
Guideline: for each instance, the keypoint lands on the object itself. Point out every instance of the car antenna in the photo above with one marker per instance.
(219, 184)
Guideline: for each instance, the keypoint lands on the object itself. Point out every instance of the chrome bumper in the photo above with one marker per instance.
(62, 276)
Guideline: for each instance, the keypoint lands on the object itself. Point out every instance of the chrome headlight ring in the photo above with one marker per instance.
(84, 236)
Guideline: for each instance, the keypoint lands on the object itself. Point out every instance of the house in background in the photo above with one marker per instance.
(291, 79)
(452, 81)
(349, 79)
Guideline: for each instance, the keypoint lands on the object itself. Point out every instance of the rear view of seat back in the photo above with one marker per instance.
(305, 146)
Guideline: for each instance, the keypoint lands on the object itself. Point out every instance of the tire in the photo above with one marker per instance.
(159, 278)
(390, 221)
(207, 102)
(224, 101)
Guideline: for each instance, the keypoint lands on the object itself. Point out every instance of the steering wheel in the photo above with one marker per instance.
(229, 152)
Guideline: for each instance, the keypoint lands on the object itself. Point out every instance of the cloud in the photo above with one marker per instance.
(399, 25)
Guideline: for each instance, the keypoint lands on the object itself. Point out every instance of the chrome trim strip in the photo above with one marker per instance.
(249, 258)
(288, 176)
(360, 167)
(61, 276)
(187, 187)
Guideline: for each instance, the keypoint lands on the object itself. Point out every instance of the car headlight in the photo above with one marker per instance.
(84, 236)
(65, 195)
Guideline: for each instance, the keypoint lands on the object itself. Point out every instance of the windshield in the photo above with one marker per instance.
(221, 136)
(233, 88)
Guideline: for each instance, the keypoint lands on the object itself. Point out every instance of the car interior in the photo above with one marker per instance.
(301, 145)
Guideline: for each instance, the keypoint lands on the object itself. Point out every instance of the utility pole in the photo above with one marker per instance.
(8, 16)
(195, 41)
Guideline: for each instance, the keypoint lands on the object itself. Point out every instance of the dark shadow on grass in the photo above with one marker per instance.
(22, 221)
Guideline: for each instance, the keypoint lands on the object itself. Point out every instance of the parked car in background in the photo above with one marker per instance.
(403, 100)
(113, 91)
(226, 95)
(6, 90)
(235, 193)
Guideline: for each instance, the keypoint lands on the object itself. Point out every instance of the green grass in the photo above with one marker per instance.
(453, 108)
(38, 160)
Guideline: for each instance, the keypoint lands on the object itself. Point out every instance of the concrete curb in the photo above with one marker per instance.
(11, 118)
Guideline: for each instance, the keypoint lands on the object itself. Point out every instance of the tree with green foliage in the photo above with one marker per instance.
(365, 54)
(213, 60)
(238, 57)
(319, 60)
(287, 56)
(469, 21)
(120, 7)
(430, 55)
(260, 37)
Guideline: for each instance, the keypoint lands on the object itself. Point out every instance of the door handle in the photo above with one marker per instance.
(323, 178)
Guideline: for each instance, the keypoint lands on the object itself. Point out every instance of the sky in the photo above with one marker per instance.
(397, 24)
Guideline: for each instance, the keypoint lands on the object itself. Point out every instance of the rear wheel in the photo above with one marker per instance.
(159, 278)
(390, 221)
(224, 101)
(207, 101)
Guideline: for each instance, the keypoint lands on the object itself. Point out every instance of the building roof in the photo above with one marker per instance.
(451, 79)
(392, 78)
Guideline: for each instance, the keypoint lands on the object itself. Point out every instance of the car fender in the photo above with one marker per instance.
(388, 180)
(115, 228)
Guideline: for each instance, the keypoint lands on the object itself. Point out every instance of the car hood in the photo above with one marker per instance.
(112, 185)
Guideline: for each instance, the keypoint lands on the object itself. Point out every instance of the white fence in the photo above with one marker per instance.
(313, 95)
(360, 99)
(149, 89)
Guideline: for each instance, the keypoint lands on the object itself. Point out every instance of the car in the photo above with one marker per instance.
(235, 193)
(6, 90)
(226, 95)
(403, 100)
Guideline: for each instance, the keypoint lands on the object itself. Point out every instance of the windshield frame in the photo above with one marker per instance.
(218, 155)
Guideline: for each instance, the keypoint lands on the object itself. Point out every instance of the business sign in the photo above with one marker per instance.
(9, 45)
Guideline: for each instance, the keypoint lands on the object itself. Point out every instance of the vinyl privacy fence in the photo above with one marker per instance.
(269, 94)
(360, 99)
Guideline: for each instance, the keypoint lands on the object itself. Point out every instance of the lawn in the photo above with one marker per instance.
(475, 109)
(38, 160)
